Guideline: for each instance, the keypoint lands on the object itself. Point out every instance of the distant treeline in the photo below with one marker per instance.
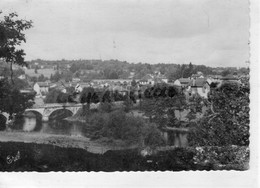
(114, 69)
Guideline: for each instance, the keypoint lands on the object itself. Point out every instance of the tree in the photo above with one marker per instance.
(225, 72)
(52, 96)
(12, 35)
(56, 77)
(195, 105)
(74, 67)
(190, 70)
(12, 101)
(132, 96)
(36, 70)
(227, 120)
(67, 76)
(163, 70)
(113, 75)
(86, 98)
(106, 97)
(33, 79)
(62, 97)
(133, 83)
(41, 78)
(118, 126)
(160, 104)
(117, 96)
(20, 84)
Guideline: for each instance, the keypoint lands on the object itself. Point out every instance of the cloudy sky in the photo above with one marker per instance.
(209, 32)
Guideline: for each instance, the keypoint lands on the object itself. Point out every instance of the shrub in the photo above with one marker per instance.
(153, 137)
(105, 107)
(117, 125)
(234, 156)
(227, 120)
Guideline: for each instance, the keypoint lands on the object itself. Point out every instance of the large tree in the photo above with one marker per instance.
(11, 37)
(12, 101)
(227, 120)
(86, 98)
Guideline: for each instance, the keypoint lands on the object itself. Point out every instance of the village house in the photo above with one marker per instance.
(131, 76)
(199, 86)
(41, 88)
(182, 82)
(76, 80)
(214, 78)
(195, 76)
(162, 78)
(22, 77)
(147, 79)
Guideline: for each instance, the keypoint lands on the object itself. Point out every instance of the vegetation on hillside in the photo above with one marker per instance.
(88, 70)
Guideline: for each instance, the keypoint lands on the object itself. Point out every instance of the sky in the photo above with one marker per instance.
(209, 32)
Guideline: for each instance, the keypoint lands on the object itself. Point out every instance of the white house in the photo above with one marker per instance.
(199, 86)
(177, 83)
(78, 88)
(41, 88)
(183, 82)
(147, 79)
(22, 77)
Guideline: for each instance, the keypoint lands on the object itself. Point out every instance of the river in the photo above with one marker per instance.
(57, 124)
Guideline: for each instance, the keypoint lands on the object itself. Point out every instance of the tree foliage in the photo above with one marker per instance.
(160, 103)
(117, 125)
(227, 120)
(11, 37)
(57, 96)
(12, 101)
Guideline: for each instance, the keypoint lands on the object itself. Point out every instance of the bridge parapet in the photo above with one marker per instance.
(53, 105)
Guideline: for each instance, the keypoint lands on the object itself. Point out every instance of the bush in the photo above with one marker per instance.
(105, 107)
(153, 137)
(117, 125)
(221, 157)
(226, 122)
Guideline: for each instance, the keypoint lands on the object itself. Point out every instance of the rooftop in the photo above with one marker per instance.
(199, 82)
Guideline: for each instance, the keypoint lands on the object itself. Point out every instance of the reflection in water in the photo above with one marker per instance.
(62, 127)
(55, 125)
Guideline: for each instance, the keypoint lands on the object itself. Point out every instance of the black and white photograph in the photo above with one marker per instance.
(125, 86)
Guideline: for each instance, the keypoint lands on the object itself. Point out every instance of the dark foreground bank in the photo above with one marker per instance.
(17, 156)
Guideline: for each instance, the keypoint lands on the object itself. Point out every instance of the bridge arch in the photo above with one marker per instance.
(56, 119)
(35, 112)
(32, 120)
(60, 113)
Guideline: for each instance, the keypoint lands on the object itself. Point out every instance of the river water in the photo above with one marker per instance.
(56, 125)
(59, 125)
(62, 127)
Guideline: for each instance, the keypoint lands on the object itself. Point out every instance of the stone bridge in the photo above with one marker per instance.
(47, 109)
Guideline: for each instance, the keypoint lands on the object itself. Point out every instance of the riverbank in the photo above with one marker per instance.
(20, 156)
(64, 141)
(35, 151)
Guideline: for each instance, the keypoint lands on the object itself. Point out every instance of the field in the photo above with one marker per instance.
(45, 72)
